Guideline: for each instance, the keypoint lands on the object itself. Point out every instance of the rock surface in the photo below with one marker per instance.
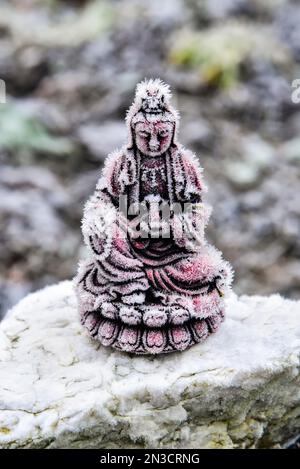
(59, 389)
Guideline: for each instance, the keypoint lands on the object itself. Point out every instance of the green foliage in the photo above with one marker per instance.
(218, 52)
(22, 132)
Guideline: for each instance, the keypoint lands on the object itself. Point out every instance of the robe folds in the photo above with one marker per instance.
(144, 294)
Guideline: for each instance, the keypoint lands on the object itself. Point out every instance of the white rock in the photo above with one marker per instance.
(59, 389)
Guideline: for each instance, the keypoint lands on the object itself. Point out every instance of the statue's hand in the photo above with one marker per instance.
(188, 226)
(224, 279)
(98, 227)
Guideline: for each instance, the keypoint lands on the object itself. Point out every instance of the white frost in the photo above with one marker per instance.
(240, 388)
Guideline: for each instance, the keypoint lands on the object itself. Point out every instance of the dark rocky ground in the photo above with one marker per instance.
(70, 69)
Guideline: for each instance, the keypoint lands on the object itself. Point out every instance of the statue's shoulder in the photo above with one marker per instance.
(119, 170)
(114, 160)
(188, 170)
(187, 159)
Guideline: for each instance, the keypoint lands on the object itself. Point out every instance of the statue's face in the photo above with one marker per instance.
(153, 139)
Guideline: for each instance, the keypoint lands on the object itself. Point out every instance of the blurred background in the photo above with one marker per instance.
(70, 69)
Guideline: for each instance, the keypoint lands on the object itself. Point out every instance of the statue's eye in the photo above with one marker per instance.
(143, 134)
(163, 133)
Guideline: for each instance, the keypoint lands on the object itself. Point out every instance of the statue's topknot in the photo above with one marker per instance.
(153, 96)
(151, 102)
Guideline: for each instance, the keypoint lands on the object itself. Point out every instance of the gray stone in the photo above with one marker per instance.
(102, 139)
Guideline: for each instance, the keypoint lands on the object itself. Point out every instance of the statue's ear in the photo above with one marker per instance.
(131, 137)
(174, 135)
(176, 118)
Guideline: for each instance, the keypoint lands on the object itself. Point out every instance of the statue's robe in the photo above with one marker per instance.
(181, 269)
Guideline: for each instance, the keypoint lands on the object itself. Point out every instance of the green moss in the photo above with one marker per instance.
(218, 52)
(4, 430)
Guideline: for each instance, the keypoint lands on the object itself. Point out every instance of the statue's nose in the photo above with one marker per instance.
(152, 103)
(154, 143)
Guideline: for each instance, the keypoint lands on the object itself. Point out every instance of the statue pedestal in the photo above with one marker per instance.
(153, 328)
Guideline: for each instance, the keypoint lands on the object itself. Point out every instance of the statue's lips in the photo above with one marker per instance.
(154, 111)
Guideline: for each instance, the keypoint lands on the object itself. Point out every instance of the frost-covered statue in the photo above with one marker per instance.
(152, 283)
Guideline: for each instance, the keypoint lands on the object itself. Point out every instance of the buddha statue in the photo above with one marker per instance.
(151, 283)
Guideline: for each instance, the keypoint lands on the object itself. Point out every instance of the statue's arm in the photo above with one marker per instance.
(101, 210)
(194, 186)
(190, 223)
(98, 221)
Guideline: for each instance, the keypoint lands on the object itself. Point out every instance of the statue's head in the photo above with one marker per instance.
(151, 120)
(153, 138)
